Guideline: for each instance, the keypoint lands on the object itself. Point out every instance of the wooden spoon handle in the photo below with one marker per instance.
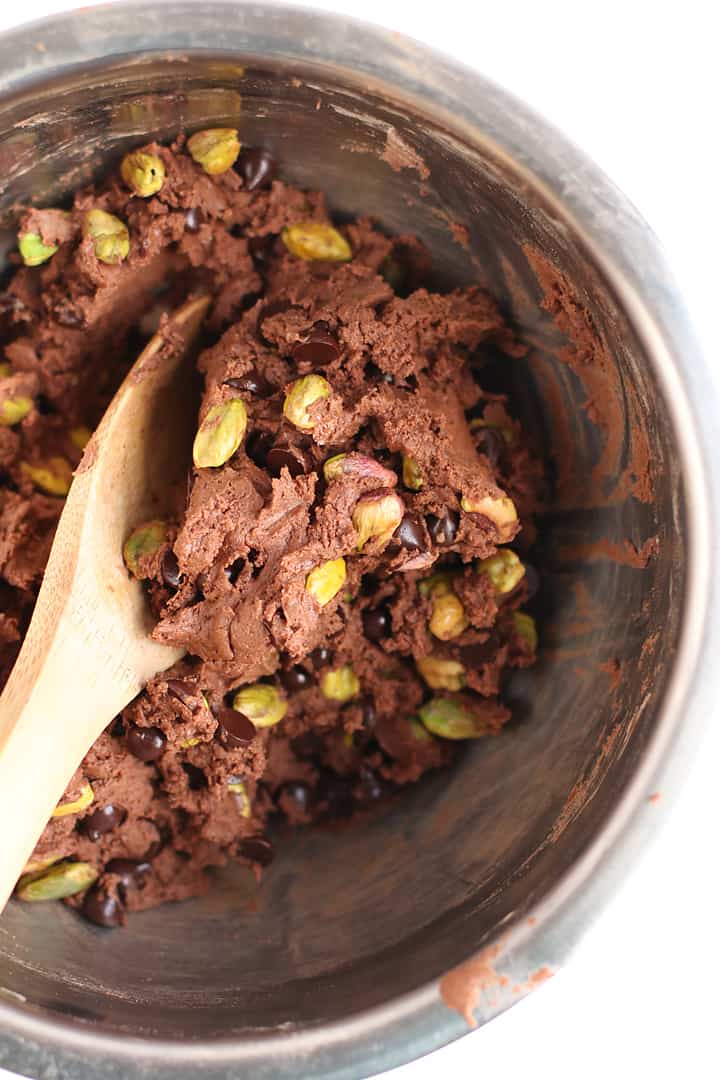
(87, 651)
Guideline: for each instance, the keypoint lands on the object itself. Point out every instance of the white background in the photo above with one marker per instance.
(633, 85)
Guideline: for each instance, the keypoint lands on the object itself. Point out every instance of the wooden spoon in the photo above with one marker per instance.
(87, 652)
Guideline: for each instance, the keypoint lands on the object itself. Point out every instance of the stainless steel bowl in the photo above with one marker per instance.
(333, 967)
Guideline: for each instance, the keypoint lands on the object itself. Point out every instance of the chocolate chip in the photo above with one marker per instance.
(491, 444)
(295, 679)
(283, 455)
(374, 374)
(256, 848)
(376, 623)
(369, 713)
(257, 447)
(476, 656)
(170, 569)
(337, 794)
(256, 166)
(44, 406)
(410, 532)
(235, 728)
(193, 219)
(69, 316)
(321, 657)
(133, 873)
(197, 780)
(102, 909)
(252, 382)
(444, 528)
(147, 744)
(531, 579)
(183, 691)
(371, 786)
(308, 746)
(318, 347)
(295, 795)
(103, 820)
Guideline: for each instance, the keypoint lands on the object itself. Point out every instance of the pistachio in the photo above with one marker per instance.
(498, 508)
(110, 236)
(315, 240)
(216, 149)
(526, 629)
(14, 409)
(393, 272)
(143, 173)
(262, 704)
(326, 580)
(220, 434)
(5, 370)
(437, 584)
(412, 477)
(33, 251)
(419, 732)
(80, 436)
(360, 465)
(141, 544)
(448, 618)
(504, 570)
(441, 674)
(34, 868)
(376, 517)
(300, 396)
(53, 476)
(189, 742)
(452, 718)
(340, 685)
(238, 789)
(82, 802)
(63, 879)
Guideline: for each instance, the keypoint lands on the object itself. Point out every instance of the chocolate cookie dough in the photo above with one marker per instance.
(347, 577)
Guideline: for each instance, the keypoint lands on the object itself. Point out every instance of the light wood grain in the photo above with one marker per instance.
(87, 652)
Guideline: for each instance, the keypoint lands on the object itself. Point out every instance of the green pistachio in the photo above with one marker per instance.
(498, 508)
(110, 236)
(143, 173)
(220, 434)
(63, 879)
(80, 436)
(448, 618)
(451, 718)
(504, 570)
(359, 465)
(53, 476)
(412, 478)
(376, 517)
(314, 240)
(441, 674)
(216, 149)
(526, 629)
(238, 789)
(82, 802)
(300, 396)
(141, 544)
(189, 742)
(436, 584)
(326, 580)
(14, 409)
(419, 732)
(5, 371)
(33, 251)
(261, 703)
(34, 867)
(340, 685)
(507, 432)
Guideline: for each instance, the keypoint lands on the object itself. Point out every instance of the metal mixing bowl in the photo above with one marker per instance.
(332, 967)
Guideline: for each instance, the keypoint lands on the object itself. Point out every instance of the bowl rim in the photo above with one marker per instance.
(625, 250)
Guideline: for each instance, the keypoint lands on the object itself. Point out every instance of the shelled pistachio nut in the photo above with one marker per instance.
(14, 409)
(300, 396)
(452, 718)
(61, 880)
(448, 619)
(376, 517)
(143, 173)
(504, 570)
(526, 629)
(75, 806)
(497, 508)
(340, 685)
(220, 434)
(142, 543)
(325, 581)
(412, 477)
(360, 465)
(261, 703)
(314, 240)
(441, 674)
(53, 476)
(239, 790)
(215, 149)
(32, 250)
